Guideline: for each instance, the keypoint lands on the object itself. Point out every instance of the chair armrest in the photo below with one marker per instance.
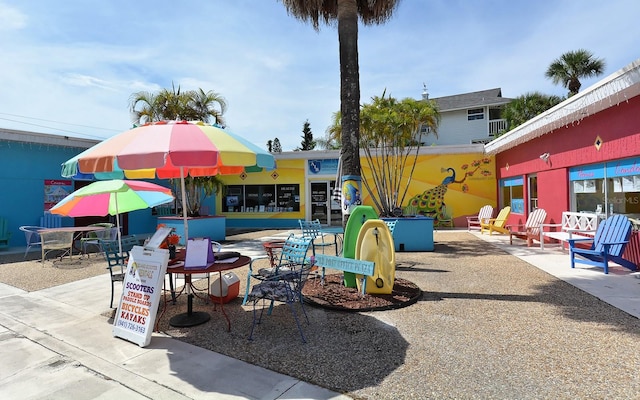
(542, 226)
(614, 243)
(256, 259)
(573, 241)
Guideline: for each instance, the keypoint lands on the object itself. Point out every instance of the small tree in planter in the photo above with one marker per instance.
(390, 132)
(197, 190)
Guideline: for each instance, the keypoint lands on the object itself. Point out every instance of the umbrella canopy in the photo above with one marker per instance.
(112, 197)
(170, 149)
(161, 149)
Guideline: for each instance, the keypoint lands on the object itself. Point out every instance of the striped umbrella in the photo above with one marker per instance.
(169, 149)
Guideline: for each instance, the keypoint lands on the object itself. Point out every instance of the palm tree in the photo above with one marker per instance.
(523, 108)
(346, 13)
(390, 133)
(573, 65)
(174, 104)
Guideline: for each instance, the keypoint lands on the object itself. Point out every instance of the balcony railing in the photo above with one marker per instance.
(496, 126)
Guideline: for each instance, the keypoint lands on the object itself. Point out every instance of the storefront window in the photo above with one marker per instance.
(620, 194)
(513, 194)
(262, 198)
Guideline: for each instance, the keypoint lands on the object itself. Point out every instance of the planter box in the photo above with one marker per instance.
(413, 233)
(213, 227)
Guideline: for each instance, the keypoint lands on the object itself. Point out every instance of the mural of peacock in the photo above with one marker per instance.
(430, 202)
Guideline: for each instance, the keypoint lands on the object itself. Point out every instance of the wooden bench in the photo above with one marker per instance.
(574, 226)
(359, 267)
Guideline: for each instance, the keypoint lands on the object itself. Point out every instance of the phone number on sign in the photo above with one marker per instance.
(131, 326)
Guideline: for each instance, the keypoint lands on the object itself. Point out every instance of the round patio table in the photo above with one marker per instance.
(193, 318)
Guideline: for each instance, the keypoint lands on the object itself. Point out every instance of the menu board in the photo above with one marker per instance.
(140, 298)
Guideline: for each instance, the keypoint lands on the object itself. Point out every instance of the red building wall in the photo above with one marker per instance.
(618, 129)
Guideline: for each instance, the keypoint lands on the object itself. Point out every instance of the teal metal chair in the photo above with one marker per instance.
(609, 244)
(5, 235)
(313, 230)
(116, 261)
(282, 283)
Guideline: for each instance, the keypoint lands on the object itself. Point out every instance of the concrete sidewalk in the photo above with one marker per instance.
(56, 343)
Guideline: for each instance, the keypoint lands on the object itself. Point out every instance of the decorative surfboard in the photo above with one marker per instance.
(357, 218)
(375, 243)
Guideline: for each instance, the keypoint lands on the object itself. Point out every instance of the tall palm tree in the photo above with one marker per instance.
(573, 65)
(346, 13)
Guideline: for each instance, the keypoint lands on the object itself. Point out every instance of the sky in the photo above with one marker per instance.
(69, 68)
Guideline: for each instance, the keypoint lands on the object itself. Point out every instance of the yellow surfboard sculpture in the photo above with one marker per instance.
(375, 243)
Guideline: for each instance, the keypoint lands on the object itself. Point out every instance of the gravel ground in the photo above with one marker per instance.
(488, 326)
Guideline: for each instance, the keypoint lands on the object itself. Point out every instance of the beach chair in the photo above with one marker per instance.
(49, 220)
(609, 244)
(5, 235)
(485, 213)
(497, 224)
(531, 229)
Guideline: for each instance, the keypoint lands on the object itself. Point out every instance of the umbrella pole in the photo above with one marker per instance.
(118, 225)
(184, 206)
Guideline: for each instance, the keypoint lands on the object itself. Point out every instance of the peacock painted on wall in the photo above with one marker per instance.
(430, 202)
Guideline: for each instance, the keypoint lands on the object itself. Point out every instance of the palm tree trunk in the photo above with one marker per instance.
(349, 88)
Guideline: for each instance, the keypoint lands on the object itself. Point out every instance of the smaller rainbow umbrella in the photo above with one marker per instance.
(112, 198)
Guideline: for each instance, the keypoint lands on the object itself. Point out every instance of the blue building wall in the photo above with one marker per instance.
(26, 166)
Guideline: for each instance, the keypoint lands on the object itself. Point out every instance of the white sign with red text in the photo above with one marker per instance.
(136, 314)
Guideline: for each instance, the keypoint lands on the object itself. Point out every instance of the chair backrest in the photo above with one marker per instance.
(501, 219)
(486, 212)
(614, 229)
(115, 259)
(31, 234)
(4, 228)
(49, 220)
(579, 221)
(310, 229)
(391, 224)
(294, 252)
(534, 220)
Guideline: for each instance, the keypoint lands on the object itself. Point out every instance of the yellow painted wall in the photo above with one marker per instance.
(474, 184)
(287, 171)
(473, 187)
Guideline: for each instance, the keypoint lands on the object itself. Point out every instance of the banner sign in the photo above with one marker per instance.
(136, 314)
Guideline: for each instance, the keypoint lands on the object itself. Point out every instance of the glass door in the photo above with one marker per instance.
(320, 201)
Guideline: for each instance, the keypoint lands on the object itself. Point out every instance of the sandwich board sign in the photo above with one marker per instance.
(143, 281)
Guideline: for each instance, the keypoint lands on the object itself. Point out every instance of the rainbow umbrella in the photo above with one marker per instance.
(112, 197)
(170, 149)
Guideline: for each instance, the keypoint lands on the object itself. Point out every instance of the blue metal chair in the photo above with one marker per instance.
(609, 244)
(313, 230)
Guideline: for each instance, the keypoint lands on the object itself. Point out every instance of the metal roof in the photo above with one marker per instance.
(490, 97)
(609, 92)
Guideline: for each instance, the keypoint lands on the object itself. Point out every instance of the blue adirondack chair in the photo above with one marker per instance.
(609, 243)
(5, 235)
